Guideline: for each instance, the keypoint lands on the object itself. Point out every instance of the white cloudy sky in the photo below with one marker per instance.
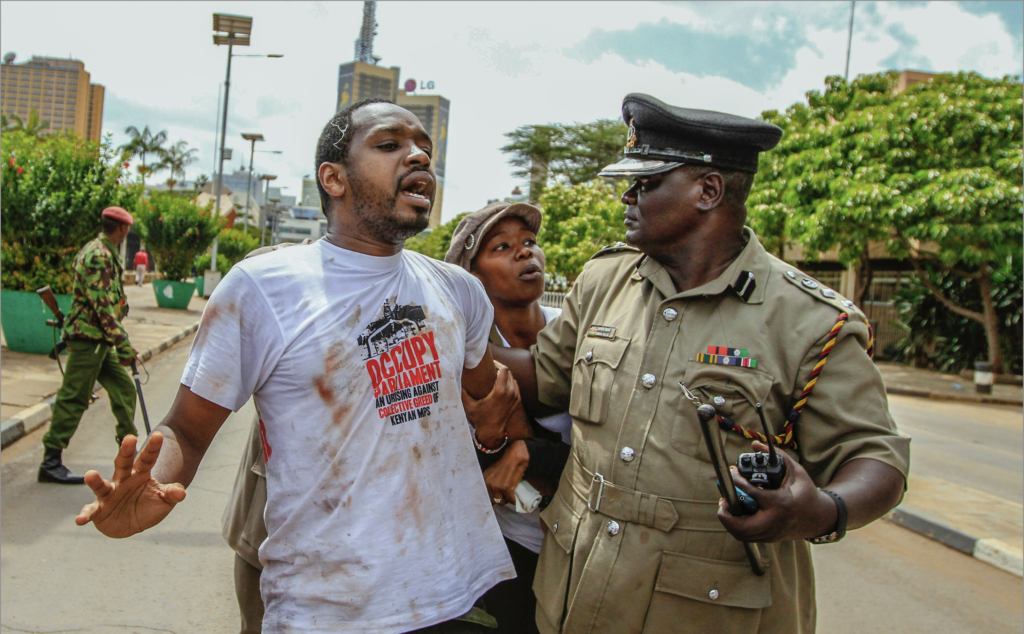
(501, 65)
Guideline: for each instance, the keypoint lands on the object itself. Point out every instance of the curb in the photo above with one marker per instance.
(991, 551)
(30, 419)
(936, 396)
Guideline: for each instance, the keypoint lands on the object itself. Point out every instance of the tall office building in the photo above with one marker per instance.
(310, 194)
(59, 91)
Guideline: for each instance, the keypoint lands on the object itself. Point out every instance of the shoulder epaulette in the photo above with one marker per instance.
(614, 248)
(819, 291)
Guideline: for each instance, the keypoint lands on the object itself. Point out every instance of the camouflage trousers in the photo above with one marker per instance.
(88, 362)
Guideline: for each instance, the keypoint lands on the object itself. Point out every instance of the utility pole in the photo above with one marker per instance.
(849, 42)
(253, 138)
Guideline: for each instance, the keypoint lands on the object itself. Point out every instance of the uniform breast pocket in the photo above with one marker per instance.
(733, 391)
(593, 375)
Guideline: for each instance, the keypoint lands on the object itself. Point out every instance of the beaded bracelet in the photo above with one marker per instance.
(485, 450)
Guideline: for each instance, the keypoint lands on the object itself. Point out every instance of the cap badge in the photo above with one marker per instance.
(631, 135)
(470, 241)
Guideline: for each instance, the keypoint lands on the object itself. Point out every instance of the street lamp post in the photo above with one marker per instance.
(229, 30)
(252, 138)
(266, 200)
(251, 172)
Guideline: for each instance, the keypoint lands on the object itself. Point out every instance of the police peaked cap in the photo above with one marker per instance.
(662, 137)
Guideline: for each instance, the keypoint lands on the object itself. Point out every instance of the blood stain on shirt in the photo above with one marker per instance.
(353, 319)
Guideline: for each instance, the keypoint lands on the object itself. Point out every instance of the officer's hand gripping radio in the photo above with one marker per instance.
(763, 470)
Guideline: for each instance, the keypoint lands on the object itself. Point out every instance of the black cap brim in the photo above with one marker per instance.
(631, 168)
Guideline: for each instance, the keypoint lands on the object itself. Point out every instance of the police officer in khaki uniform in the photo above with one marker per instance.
(697, 312)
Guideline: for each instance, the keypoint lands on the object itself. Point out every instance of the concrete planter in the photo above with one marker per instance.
(198, 281)
(24, 321)
(173, 294)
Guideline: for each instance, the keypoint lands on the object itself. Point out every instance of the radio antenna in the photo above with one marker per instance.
(773, 458)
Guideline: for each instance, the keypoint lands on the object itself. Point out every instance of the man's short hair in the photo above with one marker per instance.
(333, 145)
(737, 186)
(110, 225)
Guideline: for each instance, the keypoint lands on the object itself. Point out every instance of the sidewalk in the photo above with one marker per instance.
(29, 380)
(984, 526)
(909, 381)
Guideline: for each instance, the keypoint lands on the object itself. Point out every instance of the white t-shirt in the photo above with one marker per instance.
(524, 528)
(377, 516)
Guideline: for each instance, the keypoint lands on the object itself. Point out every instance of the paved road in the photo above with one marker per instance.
(977, 446)
(55, 576)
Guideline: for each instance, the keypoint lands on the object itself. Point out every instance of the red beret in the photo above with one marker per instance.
(119, 215)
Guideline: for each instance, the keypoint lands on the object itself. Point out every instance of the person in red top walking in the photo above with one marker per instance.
(141, 263)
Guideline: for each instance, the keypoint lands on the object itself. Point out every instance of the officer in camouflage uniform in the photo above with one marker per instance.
(98, 347)
(697, 312)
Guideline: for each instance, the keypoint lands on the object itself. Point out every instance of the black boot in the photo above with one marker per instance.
(53, 470)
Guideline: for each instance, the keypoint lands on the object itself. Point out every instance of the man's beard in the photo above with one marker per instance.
(376, 210)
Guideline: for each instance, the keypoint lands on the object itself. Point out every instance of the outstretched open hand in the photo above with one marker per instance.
(132, 500)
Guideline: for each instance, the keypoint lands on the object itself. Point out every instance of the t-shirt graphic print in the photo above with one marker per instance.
(355, 363)
(403, 363)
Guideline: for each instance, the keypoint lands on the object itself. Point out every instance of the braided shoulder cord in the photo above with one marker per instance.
(784, 439)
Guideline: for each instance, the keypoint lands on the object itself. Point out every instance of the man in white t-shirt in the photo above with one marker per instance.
(356, 353)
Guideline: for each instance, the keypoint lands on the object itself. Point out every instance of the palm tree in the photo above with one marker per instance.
(141, 144)
(175, 159)
(33, 127)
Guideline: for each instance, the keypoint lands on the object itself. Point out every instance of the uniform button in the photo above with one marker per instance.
(648, 380)
(791, 275)
(613, 528)
(627, 454)
(554, 527)
(670, 314)
(713, 595)
(589, 356)
(719, 401)
(809, 283)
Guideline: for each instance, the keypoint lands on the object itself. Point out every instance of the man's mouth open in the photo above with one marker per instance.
(417, 188)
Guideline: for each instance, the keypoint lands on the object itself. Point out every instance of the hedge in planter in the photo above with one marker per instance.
(52, 191)
(234, 244)
(175, 231)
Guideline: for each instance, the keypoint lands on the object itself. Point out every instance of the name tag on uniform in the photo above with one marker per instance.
(602, 332)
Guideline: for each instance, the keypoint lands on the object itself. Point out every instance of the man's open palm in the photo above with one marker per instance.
(132, 500)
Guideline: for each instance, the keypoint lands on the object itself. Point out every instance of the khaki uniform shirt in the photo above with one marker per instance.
(614, 359)
(242, 525)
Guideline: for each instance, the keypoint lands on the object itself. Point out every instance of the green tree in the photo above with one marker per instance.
(52, 191)
(141, 144)
(175, 231)
(578, 221)
(532, 148)
(939, 338)
(175, 159)
(201, 181)
(235, 244)
(569, 154)
(933, 173)
(33, 127)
